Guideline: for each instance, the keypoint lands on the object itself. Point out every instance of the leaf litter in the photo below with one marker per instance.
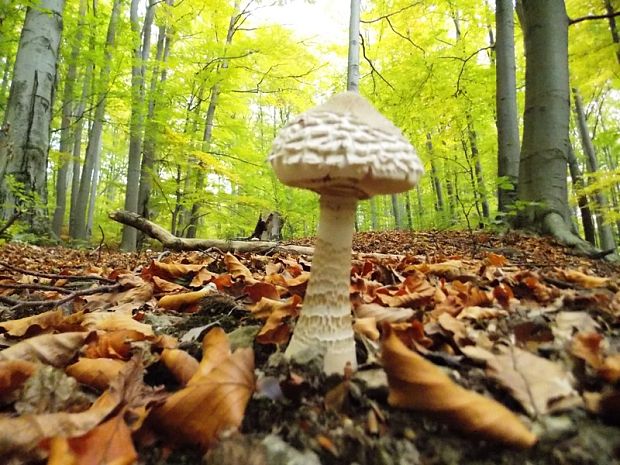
(473, 348)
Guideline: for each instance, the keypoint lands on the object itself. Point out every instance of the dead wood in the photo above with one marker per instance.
(172, 242)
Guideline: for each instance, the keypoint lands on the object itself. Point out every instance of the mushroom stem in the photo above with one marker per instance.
(325, 321)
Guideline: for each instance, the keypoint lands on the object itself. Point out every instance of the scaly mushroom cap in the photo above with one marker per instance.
(345, 147)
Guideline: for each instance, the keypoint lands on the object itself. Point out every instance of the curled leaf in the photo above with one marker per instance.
(416, 383)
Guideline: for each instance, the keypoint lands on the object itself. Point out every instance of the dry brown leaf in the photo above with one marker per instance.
(414, 292)
(177, 301)
(201, 278)
(181, 364)
(212, 402)
(495, 259)
(381, 313)
(108, 444)
(13, 374)
(610, 370)
(367, 327)
(215, 349)
(173, 270)
(257, 290)
(52, 349)
(536, 383)
(237, 269)
(96, 372)
(480, 313)
(113, 344)
(416, 383)
(164, 285)
(587, 346)
(115, 321)
(33, 324)
(265, 307)
(582, 279)
(22, 434)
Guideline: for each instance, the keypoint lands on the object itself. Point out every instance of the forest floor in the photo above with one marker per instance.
(515, 318)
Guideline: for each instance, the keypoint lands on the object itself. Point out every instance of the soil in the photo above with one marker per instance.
(333, 420)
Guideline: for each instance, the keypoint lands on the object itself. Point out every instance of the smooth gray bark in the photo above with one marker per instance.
(79, 231)
(6, 72)
(605, 233)
(136, 128)
(67, 131)
(586, 215)
(353, 61)
(613, 29)
(373, 213)
(544, 152)
(506, 106)
(158, 78)
(439, 203)
(481, 192)
(23, 158)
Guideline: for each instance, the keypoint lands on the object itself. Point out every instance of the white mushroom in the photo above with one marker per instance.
(344, 150)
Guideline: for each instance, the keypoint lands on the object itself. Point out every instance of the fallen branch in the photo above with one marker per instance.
(22, 304)
(57, 276)
(172, 242)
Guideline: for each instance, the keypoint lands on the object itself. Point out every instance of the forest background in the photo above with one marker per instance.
(169, 108)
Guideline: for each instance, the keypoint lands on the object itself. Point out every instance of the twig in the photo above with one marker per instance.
(57, 276)
(372, 66)
(19, 305)
(591, 17)
(16, 214)
(36, 287)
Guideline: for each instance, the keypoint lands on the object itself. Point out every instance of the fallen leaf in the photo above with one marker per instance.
(113, 344)
(381, 313)
(416, 383)
(213, 401)
(52, 349)
(582, 279)
(177, 301)
(181, 364)
(173, 270)
(13, 373)
(257, 290)
(97, 373)
(107, 444)
(164, 285)
(535, 382)
(237, 269)
(115, 321)
(33, 324)
(366, 327)
(480, 313)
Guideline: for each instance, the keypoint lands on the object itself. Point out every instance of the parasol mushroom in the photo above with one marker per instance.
(344, 150)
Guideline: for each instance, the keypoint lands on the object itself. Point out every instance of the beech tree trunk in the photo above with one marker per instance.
(142, 50)
(79, 230)
(605, 233)
(148, 156)
(544, 153)
(586, 215)
(613, 29)
(23, 158)
(353, 61)
(439, 204)
(506, 106)
(67, 132)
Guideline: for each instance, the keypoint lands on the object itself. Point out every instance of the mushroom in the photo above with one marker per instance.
(344, 150)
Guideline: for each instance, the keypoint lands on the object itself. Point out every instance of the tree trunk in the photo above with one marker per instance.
(506, 107)
(605, 232)
(439, 204)
(67, 131)
(136, 127)
(23, 159)
(586, 215)
(353, 61)
(613, 29)
(373, 213)
(481, 192)
(5, 80)
(544, 153)
(94, 139)
(148, 156)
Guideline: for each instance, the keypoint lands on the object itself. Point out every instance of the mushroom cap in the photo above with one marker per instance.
(345, 147)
